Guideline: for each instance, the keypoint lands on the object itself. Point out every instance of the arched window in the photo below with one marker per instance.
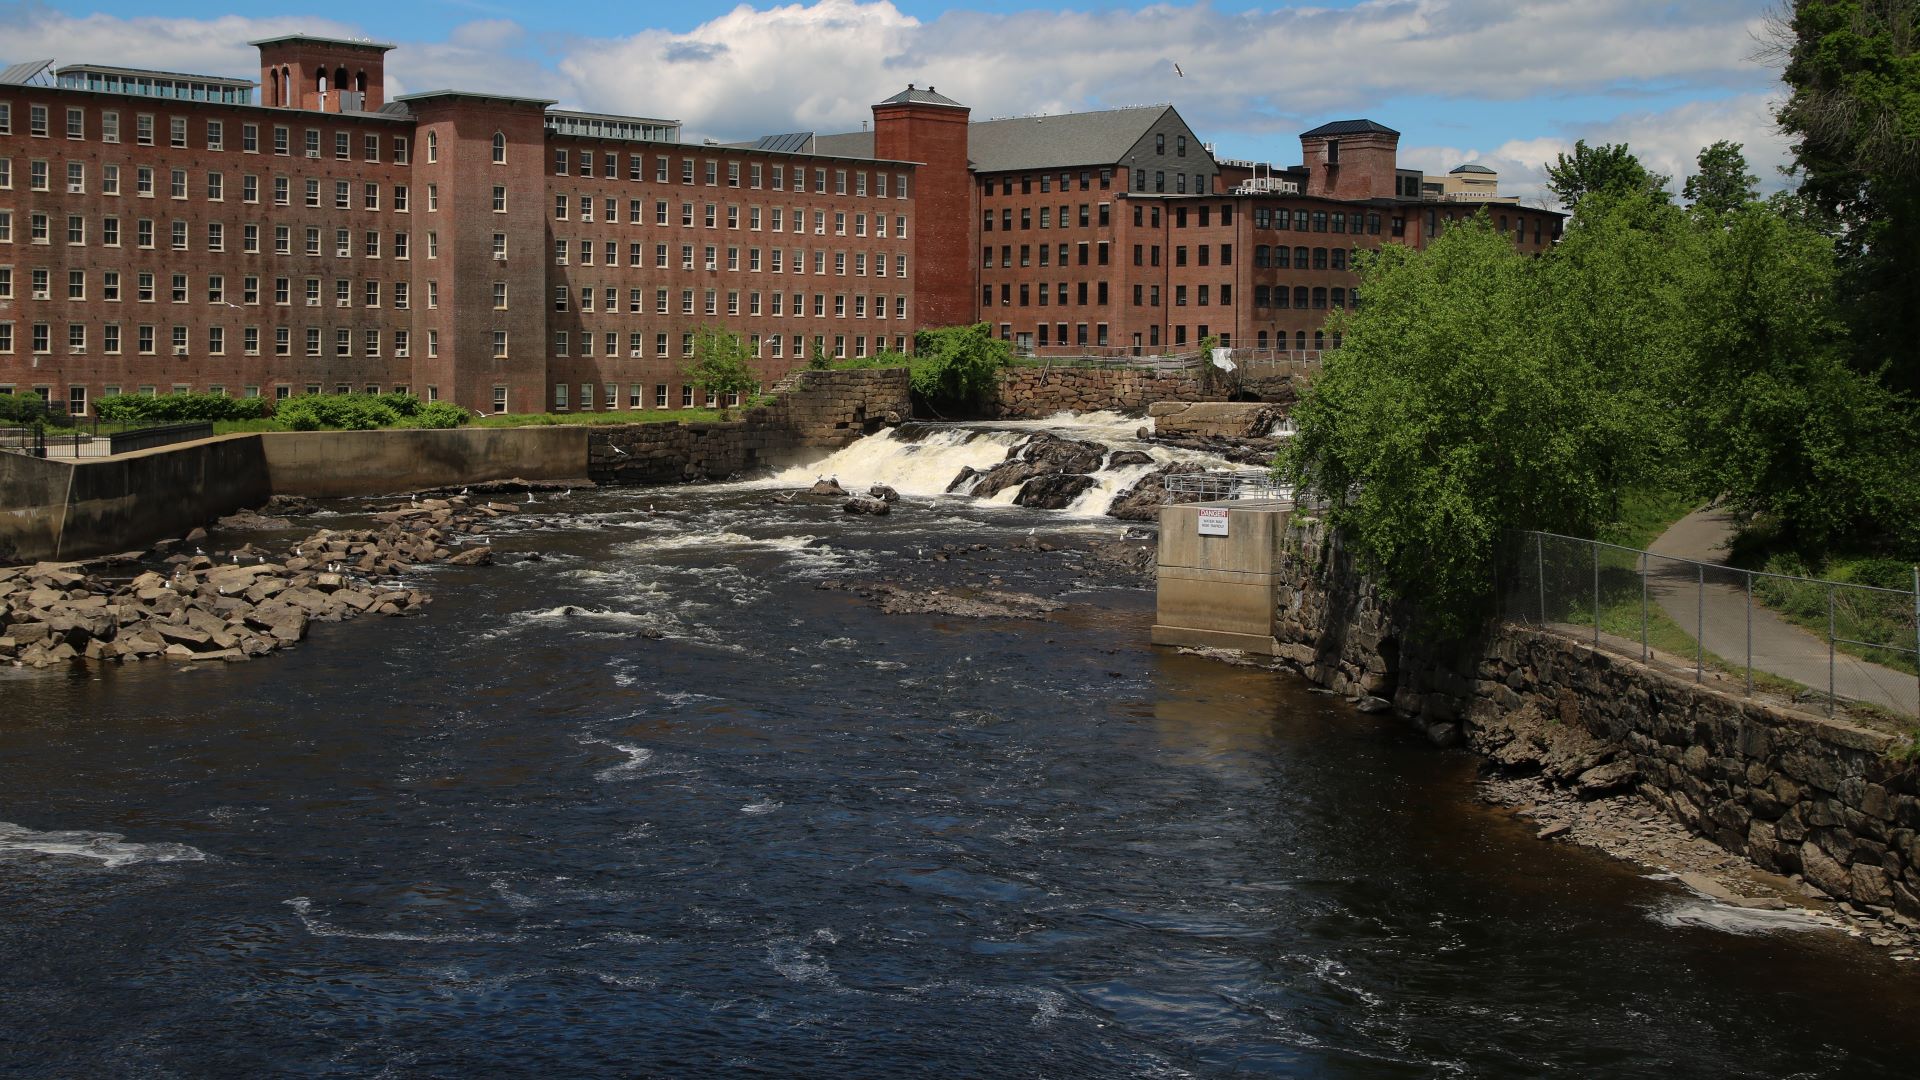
(1300, 298)
(499, 149)
(273, 87)
(360, 82)
(1319, 340)
(1263, 339)
(320, 80)
(1339, 298)
(340, 78)
(433, 146)
(1299, 339)
(1319, 298)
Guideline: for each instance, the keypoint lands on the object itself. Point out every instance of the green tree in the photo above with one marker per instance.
(1603, 168)
(721, 363)
(1778, 422)
(818, 360)
(1723, 184)
(1447, 418)
(1852, 68)
(954, 367)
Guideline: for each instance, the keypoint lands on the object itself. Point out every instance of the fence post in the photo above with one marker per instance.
(1540, 564)
(1749, 577)
(1596, 595)
(1829, 650)
(1646, 651)
(1916, 617)
(1700, 625)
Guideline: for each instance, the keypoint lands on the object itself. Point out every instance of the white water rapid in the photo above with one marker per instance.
(923, 459)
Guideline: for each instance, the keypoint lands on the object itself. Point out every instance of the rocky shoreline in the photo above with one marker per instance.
(194, 606)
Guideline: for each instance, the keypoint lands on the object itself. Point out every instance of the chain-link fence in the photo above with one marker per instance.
(1817, 640)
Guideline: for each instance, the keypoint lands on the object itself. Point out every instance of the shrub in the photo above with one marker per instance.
(180, 408)
(351, 412)
(22, 408)
(440, 414)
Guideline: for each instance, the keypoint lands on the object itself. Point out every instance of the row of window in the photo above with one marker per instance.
(776, 306)
(1086, 217)
(1098, 294)
(777, 262)
(635, 344)
(145, 289)
(213, 132)
(1318, 298)
(1322, 221)
(215, 340)
(1100, 252)
(370, 244)
(146, 180)
(1045, 181)
(582, 209)
(611, 400)
(1299, 258)
(756, 174)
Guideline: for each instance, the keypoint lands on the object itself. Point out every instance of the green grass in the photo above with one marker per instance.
(1859, 615)
(1645, 514)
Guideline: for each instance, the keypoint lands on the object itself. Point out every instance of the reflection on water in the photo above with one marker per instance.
(654, 804)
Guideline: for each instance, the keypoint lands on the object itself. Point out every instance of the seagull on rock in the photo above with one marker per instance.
(529, 498)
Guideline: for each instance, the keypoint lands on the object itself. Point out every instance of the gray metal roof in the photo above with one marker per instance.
(25, 72)
(483, 94)
(1046, 142)
(913, 96)
(155, 73)
(1472, 169)
(1032, 142)
(1349, 127)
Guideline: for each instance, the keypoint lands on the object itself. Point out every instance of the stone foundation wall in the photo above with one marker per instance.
(811, 410)
(1030, 393)
(1794, 792)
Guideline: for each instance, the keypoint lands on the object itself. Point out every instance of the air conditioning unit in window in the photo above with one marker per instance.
(499, 256)
(76, 189)
(637, 353)
(343, 303)
(313, 153)
(179, 350)
(313, 301)
(39, 294)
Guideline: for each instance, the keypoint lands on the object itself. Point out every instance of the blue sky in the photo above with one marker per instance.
(1497, 81)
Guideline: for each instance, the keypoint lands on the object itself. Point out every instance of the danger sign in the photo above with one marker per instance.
(1213, 522)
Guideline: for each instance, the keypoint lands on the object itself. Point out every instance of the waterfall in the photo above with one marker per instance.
(924, 459)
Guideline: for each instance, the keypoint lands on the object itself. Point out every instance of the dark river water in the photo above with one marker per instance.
(795, 836)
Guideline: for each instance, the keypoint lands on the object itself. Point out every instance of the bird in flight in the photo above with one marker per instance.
(1177, 71)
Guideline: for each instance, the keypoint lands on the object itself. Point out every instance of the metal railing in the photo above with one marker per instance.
(147, 438)
(1861, 641)
(1225, 487)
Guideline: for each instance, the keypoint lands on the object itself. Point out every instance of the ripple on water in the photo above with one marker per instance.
(110, 850)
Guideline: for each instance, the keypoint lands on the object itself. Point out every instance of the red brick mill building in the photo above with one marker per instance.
(163, 232)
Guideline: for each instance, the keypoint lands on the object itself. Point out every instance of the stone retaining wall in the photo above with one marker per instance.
(1794, 792)
(822, 410)
(1030, 393)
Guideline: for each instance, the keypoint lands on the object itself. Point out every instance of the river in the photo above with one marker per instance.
(656, 804)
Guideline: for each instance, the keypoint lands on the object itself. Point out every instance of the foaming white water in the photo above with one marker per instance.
(109, 849)
(637, 759)
(1748, 922)
(921, 466)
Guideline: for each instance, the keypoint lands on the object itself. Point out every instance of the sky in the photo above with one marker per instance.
(1505, 83)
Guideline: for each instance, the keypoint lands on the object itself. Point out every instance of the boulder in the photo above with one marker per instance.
(1123, 458)
(860, 504)
(884, 493)
(1053, 492)
(473, 556)
(826, 487)
(1143, 500)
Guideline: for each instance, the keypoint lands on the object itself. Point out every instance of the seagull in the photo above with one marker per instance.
(199, 551)
(529, 498)
(463, 491)
(566, 493)
(236, 558)
(619, 451)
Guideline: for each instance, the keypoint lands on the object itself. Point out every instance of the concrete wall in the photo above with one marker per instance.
(64, 510)
(325, 464)
(1218, 591)
(1794, 791)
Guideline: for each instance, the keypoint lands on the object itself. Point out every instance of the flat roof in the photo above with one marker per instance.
(425, 94)
(369, 43)
(153, 73)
